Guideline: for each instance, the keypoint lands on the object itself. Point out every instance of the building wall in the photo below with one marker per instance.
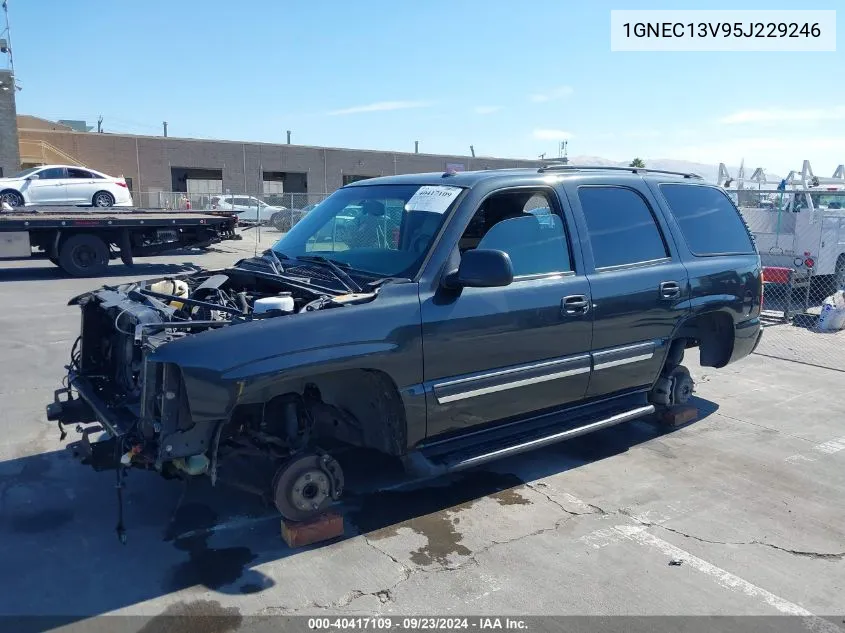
(147, 160)
(10, 162)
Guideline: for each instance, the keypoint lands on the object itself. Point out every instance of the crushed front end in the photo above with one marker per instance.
(125, 404)
(140, 400)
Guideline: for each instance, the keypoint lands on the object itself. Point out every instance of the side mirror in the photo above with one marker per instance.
(481, 268)
(33, 177)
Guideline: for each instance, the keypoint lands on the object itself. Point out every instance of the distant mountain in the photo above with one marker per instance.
(708, 172)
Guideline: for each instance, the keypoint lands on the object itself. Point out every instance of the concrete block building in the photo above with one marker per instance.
(158, 164)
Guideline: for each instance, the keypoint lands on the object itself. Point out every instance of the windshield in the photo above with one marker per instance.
(26, 172)
(831, 200)
(385, 230)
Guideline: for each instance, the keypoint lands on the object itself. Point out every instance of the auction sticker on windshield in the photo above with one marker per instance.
(433, 198)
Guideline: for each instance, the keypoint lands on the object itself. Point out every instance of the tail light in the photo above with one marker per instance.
(809, 262)
(121, 183)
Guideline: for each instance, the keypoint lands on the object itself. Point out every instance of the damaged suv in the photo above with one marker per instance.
(445, 319)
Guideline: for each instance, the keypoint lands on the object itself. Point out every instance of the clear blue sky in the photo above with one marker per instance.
(510, 78)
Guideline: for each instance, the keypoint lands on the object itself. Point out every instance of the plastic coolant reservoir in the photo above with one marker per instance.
(175, 287)
(283, 302)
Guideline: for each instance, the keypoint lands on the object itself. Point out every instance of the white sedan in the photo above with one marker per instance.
(249, 209)
(64, 185)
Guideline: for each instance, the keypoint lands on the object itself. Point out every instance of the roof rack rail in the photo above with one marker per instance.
(633, 170)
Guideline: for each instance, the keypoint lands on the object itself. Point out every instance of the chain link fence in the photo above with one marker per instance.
(801, 239)
(803, 318)
(276, 210)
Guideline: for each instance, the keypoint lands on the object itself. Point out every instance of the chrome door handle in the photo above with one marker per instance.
(670, 290)
(575, 304)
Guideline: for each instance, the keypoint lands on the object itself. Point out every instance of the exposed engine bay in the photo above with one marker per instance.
(147, 314)
(146, 417)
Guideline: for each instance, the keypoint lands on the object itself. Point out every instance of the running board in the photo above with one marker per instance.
(424, 463)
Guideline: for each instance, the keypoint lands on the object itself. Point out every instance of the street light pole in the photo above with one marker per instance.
(7, 31)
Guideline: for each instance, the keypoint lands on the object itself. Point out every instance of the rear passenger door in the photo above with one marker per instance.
(639, 286)
(81, 185)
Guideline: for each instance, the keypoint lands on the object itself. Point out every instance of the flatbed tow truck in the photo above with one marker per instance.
(82, 242)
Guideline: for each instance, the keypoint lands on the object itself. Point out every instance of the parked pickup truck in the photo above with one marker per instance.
(509, 310)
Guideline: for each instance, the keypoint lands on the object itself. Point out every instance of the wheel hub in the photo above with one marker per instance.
(310, 490)
(83, 256)
(306, 485)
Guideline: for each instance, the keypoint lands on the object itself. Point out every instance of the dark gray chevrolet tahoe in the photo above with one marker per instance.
(445, 319)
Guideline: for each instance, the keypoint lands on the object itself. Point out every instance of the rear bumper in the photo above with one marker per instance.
(747, 337)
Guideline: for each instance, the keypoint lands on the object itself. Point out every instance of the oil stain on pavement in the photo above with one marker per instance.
(210, 567)
(429, 511)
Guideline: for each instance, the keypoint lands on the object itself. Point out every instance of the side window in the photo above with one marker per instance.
(709, 222)
(73, 172)
(621, 225)
(523, 225)
(53, 173)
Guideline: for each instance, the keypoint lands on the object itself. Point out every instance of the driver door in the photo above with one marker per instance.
(497, 353)
(49, 188)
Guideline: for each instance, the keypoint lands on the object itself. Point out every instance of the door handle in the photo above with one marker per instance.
(575, 304)
(670, 290)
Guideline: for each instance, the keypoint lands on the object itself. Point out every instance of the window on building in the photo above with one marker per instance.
(350, 178)
(621, 226)
(53, 173)
(523, 225)
(709, 221)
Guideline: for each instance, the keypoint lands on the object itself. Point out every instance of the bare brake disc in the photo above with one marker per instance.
(305, 486)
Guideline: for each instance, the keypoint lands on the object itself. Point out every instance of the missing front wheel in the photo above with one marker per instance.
(306, 486)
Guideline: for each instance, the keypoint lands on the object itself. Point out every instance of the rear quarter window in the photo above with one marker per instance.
(710, 223)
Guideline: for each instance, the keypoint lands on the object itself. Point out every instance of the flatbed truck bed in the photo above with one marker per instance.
(82, 242)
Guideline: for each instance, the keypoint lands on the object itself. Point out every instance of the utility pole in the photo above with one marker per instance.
(164, 123)
(100, 124)
(472, 151)
(416, 147)
(288, 137)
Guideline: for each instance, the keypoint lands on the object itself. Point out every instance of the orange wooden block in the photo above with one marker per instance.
(321, 528)
(678, 415)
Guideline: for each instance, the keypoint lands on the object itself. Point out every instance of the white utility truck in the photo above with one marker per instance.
(798, 223)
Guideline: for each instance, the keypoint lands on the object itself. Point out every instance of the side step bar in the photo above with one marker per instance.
(419, 462)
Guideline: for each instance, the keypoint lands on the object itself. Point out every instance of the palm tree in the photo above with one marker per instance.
(638, 163)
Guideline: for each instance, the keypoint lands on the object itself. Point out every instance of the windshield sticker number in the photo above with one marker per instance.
(433, 198)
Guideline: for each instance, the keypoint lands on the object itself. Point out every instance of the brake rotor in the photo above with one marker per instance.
(305, 486)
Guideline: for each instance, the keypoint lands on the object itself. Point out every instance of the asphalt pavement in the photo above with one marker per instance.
(738, 513)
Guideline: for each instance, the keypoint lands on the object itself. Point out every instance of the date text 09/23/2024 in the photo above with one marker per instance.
(415, 623)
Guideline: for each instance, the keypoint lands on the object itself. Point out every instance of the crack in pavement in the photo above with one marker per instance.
(834, 556)
(387, 595)
(537, 488)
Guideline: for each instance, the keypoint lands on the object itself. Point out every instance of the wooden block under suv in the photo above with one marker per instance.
(321, 528)
(678, 415)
